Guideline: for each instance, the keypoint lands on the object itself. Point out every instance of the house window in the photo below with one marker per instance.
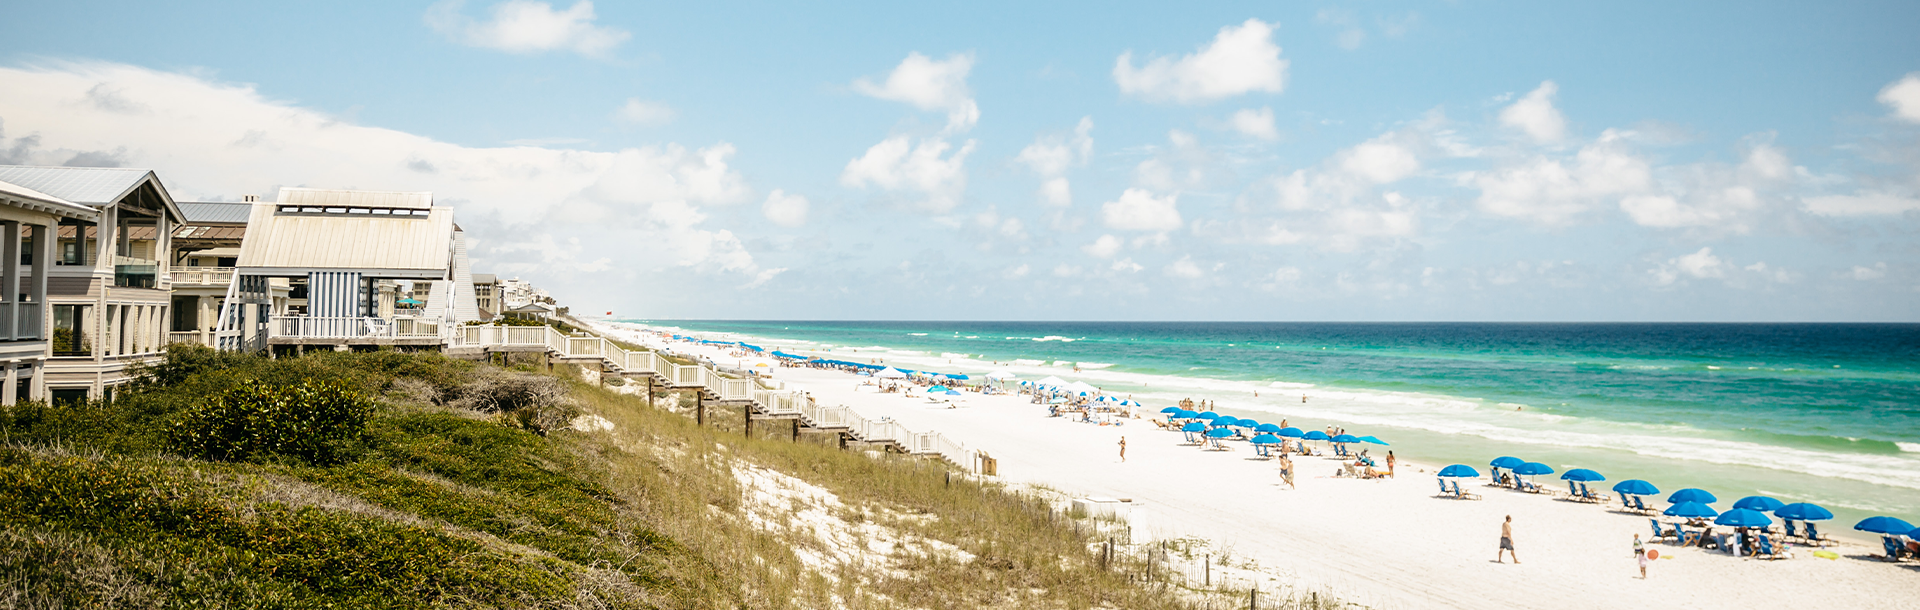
(70, 324)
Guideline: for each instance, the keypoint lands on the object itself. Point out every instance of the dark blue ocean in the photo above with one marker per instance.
(1815, 412)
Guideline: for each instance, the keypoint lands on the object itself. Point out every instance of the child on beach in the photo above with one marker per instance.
(1644, 557)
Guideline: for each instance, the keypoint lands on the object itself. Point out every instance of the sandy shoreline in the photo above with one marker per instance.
(1388, 543)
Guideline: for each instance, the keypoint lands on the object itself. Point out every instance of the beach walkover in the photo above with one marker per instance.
(713, 388)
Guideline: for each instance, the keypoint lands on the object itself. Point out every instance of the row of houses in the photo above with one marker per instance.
(100, 269)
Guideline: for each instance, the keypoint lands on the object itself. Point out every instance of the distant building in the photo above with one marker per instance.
(486, 294)
(108, 285)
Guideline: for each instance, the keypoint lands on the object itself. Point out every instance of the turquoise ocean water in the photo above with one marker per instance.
(1825, 413)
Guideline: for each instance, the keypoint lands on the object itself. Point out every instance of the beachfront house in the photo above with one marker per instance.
(352, 260)
(106, 277)
(486, 294)
(206, 249)
(28, 221)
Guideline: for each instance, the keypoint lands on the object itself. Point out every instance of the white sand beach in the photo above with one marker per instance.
(1384, 544)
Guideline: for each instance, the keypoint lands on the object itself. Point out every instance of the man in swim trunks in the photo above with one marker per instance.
(1506, 542)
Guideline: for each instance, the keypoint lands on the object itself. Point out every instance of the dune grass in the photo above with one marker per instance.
(438, 502)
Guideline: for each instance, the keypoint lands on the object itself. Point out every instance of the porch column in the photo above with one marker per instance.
(44, 237)
(10, 394)
(37, 389)
(10, 286)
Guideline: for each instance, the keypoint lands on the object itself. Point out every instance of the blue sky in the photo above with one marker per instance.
(1257, 161)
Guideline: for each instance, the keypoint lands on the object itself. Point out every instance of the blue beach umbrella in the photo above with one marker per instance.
(1266, 439)
(1247, 423)
(1345, 438)
(1185, 414)
(1226, 420)
(1582, 475)
(1208, 415)
(1802, 511)
(1268, 428)
(1291, 432)
(1760, 503)
(1635, 487)
(1692, 495)
(1744, 517)
(1533, 468)
(1371, 439)
(1508, 462)
(1194, 427)
(1315, 435)
(1219, 433)
(1883, 525)
(1459, 470)
(1691, 510)
(1170, 410)
(938, 388)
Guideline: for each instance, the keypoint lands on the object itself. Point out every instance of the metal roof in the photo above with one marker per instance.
(418, 200)
(485, 278)
(19, 195)
(215, 212)
(87, 186)
(381, 246)
(82, 185)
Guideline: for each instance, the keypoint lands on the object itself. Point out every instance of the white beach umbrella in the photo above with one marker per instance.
(890, 373)
(1053, 381)
(1081, 386)
(1002, 374)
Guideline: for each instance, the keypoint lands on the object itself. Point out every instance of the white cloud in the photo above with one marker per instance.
(1052, 156)
(1126, 265)
(641, 112)
(1255, 123)
(532, 211)
(1066, 270)
(1380, 160)
(1019, 272)
(1698, 265)
(1550, 192)
(785, 210)
(1104, 247)
(897, 164)
(520, 26)
(1140, 210)
(1241, 59)
(1056, 192)
(1284, 275)
(1536, 116)
(1863, 204)
(1903, 96)
(1868, 274)
(931, 85)
(1185, 268)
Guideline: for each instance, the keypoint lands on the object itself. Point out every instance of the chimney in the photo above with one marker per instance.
(250, 198)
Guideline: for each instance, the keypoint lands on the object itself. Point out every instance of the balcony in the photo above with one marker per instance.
(197, 337)
(202, 276)
(21, 321)
(130, 272)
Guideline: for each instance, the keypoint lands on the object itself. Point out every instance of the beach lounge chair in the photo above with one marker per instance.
(1662, 531)
(1573, 491)
(1641, 505)
(1813, 536)
(1768, 550)
(1789, 525)
(1690, 538)
(1893, 547)
(1728, 543)
(1592, 496)
(1463, 494)
(1626, 502)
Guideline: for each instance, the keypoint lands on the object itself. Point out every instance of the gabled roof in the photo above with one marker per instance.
(531, 308)
(93, 187)
(485, 278)
(14, 194)
(215, 212)
(393, 246)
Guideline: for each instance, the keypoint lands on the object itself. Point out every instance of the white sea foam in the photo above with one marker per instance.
(1095, 365)
(1289, 385)
(1712, 368)
(1026, 362)
(918, 334)
(1052, 338)
(955, 356)
(1908, 447)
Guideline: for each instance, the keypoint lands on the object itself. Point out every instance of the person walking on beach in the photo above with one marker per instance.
(1286, 470)
(1123, 449)
(1390, 464)
(1506, 542)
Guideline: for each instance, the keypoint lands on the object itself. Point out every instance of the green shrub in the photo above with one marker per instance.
(315, 421)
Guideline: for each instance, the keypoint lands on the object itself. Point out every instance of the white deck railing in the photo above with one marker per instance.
(201, 276)
(776, 403)
(355, 327)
